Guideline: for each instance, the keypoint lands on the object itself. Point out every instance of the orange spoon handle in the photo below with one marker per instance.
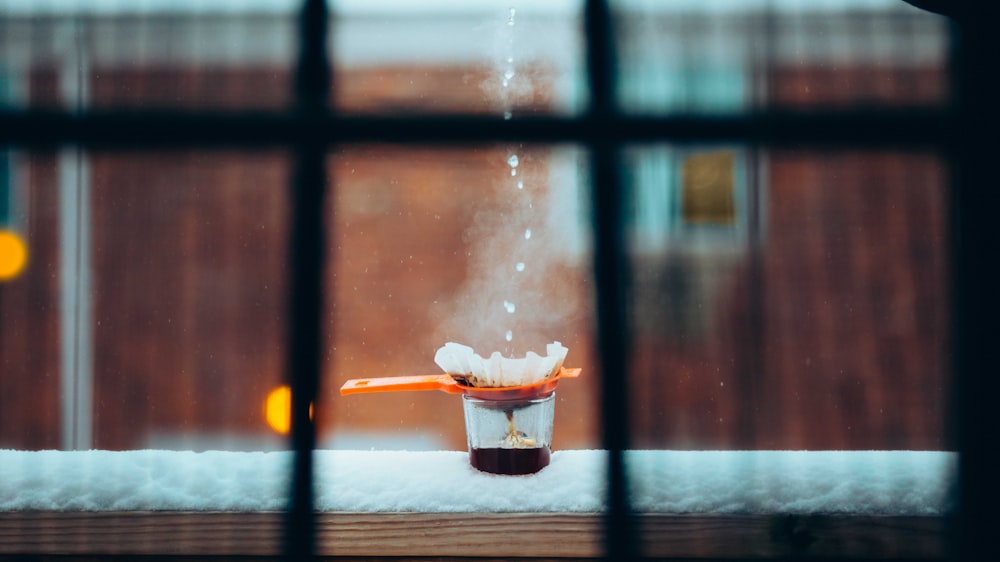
(571, 372)
(391, 384)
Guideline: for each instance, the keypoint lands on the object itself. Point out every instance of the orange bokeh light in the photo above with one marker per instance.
(278, 409)
(13, 255)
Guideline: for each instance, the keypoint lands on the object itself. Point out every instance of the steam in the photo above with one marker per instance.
(514, 299)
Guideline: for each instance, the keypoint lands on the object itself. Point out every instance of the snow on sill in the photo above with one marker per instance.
(901, 483)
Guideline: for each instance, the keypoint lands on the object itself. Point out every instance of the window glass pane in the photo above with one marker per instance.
(486, 57)
(794, 360)
(189, 298)
(817, 319)
(730, 56)
(149, 55)
(151, 311)
(29, 296)
(486, 247)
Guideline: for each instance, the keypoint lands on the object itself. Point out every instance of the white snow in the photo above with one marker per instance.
(851, 482)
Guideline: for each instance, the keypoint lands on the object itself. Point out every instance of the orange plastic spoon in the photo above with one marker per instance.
(446, 383)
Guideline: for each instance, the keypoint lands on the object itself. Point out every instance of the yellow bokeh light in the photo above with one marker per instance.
(278, 409)
(13, 255)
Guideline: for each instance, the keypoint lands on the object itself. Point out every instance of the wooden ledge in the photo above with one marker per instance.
(501, 535)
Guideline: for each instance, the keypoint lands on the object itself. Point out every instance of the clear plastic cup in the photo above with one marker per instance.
(509, 436)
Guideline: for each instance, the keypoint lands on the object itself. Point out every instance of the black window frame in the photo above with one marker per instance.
(964, 131)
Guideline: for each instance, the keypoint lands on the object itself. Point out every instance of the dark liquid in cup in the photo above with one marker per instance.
(510, 461)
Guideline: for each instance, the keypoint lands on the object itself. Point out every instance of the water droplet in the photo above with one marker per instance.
(513, 161)
(508, 74)
(513, 171)
(527, 234)
(510, 60)
(509, 336)
(519, 266)
(510, 20)
(520, 185)
(509, 306)
(505, 82)
(507, 115)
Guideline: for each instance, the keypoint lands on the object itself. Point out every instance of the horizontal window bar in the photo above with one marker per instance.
(159, 129)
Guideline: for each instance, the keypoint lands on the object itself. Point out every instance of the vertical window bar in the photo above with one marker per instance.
(956, 415)
(975, 243)
(611, 277)
(307, 253)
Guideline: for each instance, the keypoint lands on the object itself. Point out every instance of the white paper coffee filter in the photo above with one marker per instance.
(498, 371)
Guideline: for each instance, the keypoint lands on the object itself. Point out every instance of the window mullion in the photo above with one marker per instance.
(611, 276)
(307, 251)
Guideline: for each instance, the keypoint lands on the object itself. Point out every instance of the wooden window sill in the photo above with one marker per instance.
(504, 535)
(694, 504)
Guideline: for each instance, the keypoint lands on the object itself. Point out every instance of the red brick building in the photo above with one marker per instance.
(811, 311)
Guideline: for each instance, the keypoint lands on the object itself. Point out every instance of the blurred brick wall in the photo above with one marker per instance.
(189, 292)
(29, 324)
(830, 331)
(832, 336)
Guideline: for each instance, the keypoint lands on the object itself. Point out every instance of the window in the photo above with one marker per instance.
(690, 198)
(779, 265)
